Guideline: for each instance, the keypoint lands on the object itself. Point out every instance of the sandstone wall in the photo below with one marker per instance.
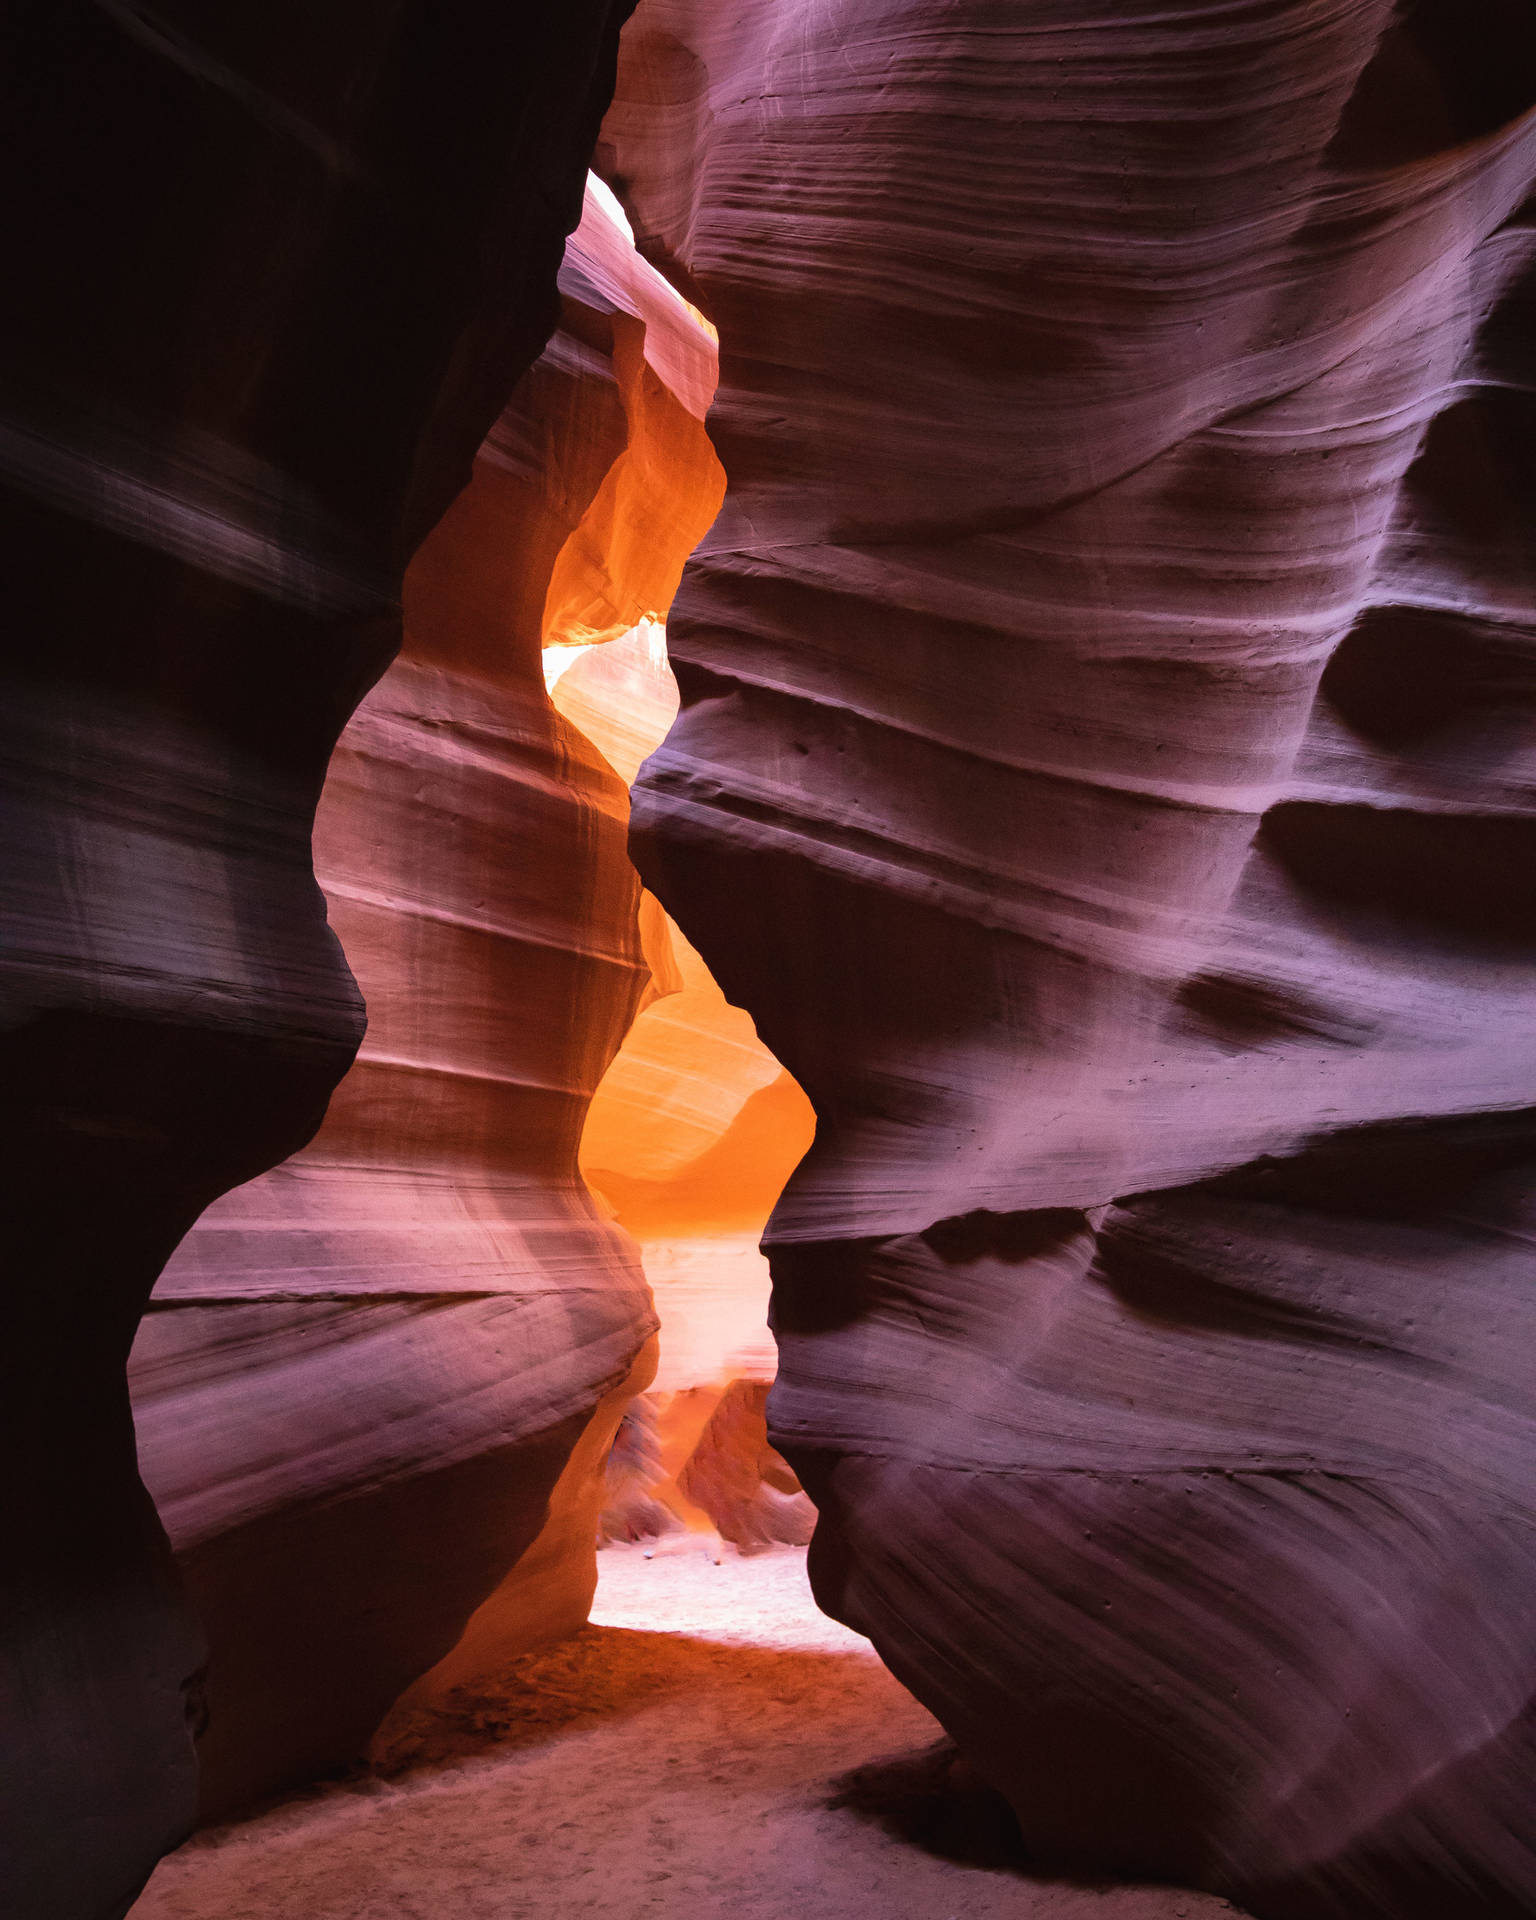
(362, 1376)
(271, 272)
(1104, 774)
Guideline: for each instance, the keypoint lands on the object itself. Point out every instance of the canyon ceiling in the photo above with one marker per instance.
(1103, 783)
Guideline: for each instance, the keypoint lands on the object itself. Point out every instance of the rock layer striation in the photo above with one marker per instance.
(1104, 773)
(362, 1376)
(270, 275)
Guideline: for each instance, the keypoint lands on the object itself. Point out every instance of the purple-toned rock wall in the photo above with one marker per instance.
(1105, 774)
(362, 1375)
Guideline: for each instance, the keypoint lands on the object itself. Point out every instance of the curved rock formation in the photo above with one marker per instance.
(695, 1127)
(1104, 773)
(690, 1139)
(270, 274)
(362, 1376)
(744, 1484)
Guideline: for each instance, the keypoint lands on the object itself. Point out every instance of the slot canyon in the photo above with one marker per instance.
(769, 1011)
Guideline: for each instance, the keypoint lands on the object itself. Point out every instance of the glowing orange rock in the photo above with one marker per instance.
(695, 1127)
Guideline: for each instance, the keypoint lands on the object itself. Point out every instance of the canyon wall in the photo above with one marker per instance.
(361, 1377)
(270, 275)
(1104, 773)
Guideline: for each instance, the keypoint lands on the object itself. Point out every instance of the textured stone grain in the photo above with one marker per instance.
(270, 275)
(362, 1376)
(1104, 774)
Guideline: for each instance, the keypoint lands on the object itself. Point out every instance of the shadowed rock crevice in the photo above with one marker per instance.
(1459, 878)
(270, 276)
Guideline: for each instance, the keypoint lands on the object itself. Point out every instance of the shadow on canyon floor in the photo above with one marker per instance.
(928, 1800)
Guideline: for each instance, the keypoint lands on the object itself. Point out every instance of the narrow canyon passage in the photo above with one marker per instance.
(707, 1748)
(876, 654)
(710, 1744)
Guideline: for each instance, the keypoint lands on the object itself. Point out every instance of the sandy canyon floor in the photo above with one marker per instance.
(710, 1746)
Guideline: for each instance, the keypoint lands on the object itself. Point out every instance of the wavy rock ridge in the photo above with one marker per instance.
(362, 1376)
(1104, 773)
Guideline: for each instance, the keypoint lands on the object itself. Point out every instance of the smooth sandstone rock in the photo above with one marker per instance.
(745, 1485)
(362, 1377)
(1104, 775)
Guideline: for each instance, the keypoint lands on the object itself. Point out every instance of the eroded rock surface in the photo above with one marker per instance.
(270, 274)
(1104, 774)
(362, 1377)
(743, 1483)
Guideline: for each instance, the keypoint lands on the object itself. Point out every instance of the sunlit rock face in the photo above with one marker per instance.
(696, 1127)
(741, 1481)
(362, 1377)
(689, 1139)
(270, 275)
(1104, 774)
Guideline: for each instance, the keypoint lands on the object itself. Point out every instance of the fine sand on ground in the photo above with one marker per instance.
(688, 1755)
